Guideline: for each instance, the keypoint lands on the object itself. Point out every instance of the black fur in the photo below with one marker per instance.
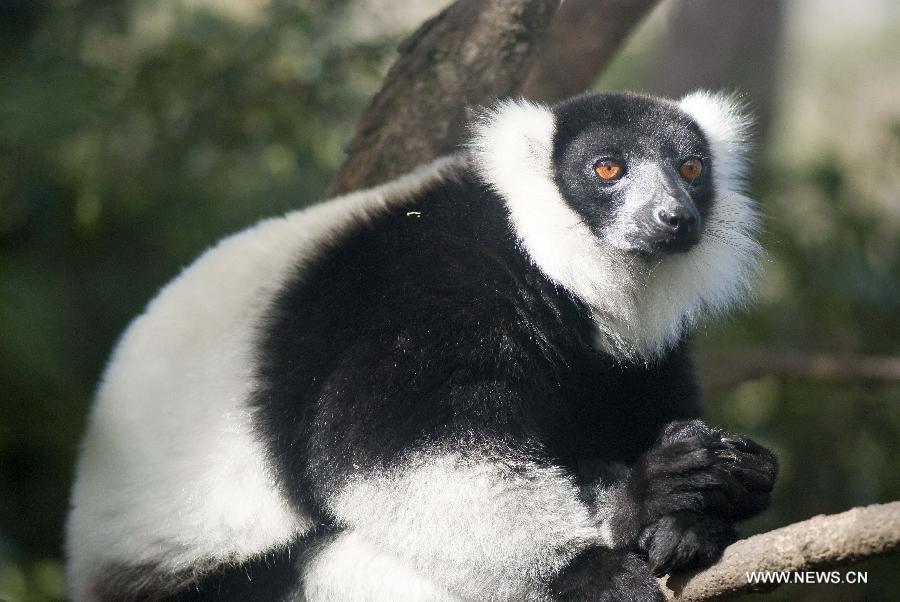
(274, 577)
(428, 324)
(604, 575)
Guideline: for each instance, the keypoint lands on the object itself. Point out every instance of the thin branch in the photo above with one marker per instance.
(819, 543)
(583, 39)
(470, 54)
(723, 371)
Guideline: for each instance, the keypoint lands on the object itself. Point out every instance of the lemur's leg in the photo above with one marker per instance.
(324, 566)
(680, 501)
(475, 525)
(346, 566)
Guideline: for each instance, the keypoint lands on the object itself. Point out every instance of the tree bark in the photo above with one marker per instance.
(468, 55)
(583, 39)
(723, 44)
(822, 542)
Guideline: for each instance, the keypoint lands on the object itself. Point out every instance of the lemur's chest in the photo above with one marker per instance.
(614, 413)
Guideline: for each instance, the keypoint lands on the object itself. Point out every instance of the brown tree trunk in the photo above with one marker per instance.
(583, 39)
(722, 44)
(470, 54)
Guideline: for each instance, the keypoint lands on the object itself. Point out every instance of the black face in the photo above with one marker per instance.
(636, 169)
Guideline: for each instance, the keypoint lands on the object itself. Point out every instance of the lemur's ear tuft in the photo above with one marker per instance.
(511, 141)
(726, 123)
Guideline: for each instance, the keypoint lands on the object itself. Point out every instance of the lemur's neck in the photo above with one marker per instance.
(642, 309)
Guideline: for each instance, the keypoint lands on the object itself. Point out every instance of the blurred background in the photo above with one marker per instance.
(135, 133)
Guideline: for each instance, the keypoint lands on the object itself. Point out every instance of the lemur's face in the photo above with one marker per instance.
(637, 171)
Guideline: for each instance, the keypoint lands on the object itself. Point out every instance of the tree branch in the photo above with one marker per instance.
(581, 42)
(719, 372)
(468, 55)
(822, 542)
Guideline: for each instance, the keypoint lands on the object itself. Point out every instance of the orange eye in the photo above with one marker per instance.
(608, 170)
(691, 169)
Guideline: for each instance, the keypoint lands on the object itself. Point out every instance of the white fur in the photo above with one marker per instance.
(611, 503)
(486, 527)
(171, 474)
(641, 310)
(351, 568)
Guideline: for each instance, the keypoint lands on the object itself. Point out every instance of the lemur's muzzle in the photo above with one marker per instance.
(676, 224)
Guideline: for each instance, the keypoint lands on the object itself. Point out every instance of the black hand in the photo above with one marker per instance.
(691, 487)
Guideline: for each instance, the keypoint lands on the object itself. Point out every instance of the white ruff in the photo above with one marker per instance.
(641, 310)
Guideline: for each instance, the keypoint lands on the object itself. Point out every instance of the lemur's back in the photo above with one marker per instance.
(172, 471)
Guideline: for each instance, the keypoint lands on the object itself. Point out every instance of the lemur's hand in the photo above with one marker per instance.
(691, 487)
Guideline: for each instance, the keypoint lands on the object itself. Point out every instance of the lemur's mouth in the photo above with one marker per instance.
(673, 246)
(649, 250)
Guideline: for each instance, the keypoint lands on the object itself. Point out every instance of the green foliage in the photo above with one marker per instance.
(125, 149)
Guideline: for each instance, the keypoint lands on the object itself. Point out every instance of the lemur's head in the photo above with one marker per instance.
(631, 203)
(637, 171)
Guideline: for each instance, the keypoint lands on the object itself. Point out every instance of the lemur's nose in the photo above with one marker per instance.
(679, 226)
(678, 220)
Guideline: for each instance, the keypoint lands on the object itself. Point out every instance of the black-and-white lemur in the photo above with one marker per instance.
(471, 383)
